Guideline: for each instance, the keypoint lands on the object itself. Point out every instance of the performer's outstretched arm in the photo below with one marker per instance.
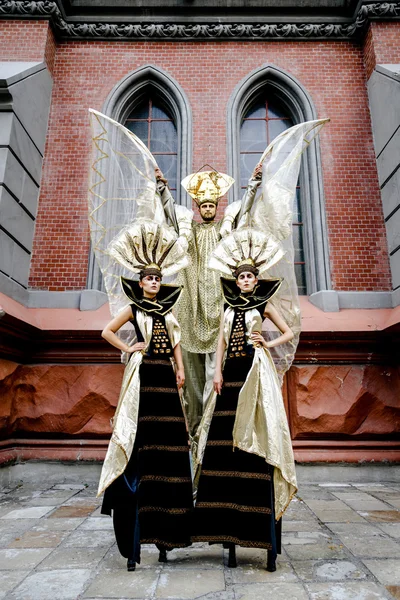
(166, 198)
(249, 195)
(178, 216)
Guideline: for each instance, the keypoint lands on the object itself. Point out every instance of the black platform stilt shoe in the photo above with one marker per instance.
(271, 563)
(130, 565)
(162, 557)
(232, 564)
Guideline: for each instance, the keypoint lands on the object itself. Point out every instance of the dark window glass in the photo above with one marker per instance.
(262, 122)
(152, 122)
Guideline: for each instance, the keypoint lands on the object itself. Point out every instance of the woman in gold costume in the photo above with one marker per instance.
(247, 477)
(146, 475)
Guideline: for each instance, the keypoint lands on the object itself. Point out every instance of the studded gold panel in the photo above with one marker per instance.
(160, 344)
(237, 342)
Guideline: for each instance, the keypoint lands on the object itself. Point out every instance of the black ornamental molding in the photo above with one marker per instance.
(25, 344)
(125, 29)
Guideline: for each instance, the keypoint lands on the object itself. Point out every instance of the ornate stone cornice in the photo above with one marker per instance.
(212, 31)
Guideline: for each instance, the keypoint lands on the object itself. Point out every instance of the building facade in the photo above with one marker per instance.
(201, 82)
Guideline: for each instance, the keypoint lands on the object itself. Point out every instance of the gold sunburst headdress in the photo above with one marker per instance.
(246, 250)
(207, 186)
(148, 248)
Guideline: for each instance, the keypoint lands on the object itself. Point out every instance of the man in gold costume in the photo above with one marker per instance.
(199, 309)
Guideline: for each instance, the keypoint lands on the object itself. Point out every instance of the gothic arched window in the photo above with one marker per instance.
(153, 105)
(153, 123)
(263, 121)
(265, 103)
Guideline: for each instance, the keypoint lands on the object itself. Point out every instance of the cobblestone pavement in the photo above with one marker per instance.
(341, 542)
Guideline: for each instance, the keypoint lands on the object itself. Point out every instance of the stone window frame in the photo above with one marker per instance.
(120, 102)
(297, 101)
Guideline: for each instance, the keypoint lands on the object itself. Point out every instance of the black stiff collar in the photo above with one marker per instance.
(167, 297)
(263, 292)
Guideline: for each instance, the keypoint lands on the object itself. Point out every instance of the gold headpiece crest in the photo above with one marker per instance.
(148, 247)
(207, 186)
(246, 250)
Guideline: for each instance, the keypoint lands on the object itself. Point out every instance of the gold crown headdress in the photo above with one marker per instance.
(207, 186)
(246, 250)
(149, 249)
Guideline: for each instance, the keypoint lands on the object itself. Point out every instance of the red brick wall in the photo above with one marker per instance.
(332, 72)
(23, 40)
(369, 53)
(384, 38)
(50, 50)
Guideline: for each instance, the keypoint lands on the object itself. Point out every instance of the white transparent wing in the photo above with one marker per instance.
(122, 188)
(286, 302)
(273, 214)
(273, 209)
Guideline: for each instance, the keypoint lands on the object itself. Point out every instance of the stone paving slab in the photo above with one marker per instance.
(372, 547)
(33, 512)
(189, 584)
(22, 558)
(339, 516)
(334, 570)
(52, 585)
(9, 580)
(74, 558)
(16, 527)
(386, 571)
(97, 523)
(277, 591)
(394, 500)
(328, 550)
(55, 524)
(340, 542)
(345, 591)
(69, 486)
(311, 525)
(203, 557)
(68, 512)
(43, 500)
(82, 538)
(358, 530)
(114, 561)
(252, 557)
(254, 574)
(382, 516)
(392, 529)
(39, 539)
(121, 584)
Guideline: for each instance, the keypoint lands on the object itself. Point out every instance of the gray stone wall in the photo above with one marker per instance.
(25, 95)
(384, 98)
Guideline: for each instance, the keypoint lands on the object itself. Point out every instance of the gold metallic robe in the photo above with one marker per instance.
(261, 425)
(126, 415)
(199, 307)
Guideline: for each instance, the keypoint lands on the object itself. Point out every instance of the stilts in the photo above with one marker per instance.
(232, 556)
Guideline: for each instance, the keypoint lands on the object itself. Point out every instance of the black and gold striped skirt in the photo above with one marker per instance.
(235, 498)
(154, 496)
